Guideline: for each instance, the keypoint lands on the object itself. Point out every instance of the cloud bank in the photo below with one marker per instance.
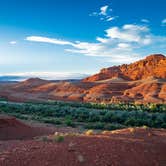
(42, 75)
(119, 44)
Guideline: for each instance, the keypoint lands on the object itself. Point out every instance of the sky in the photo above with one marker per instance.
(60, 39)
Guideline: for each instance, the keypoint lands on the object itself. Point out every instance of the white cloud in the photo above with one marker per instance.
(116, 33)
(124, 45)
(130, 33)
(133, 27)
(123, 58)
(110, 18)
(93, 14)
(104, 14)
(145, 20)
(102, 40)
(118, 44)
(48, 40)
(12, 42)
(163, 22)
(87, 46)
(103, 10)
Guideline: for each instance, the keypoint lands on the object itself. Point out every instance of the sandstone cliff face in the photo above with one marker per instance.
(148, 92)
(153, 65)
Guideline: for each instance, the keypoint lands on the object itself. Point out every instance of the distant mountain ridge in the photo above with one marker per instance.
(152, 66)
(143, 81)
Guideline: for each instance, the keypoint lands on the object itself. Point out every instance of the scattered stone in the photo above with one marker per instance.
(80, 158)
(71, 147)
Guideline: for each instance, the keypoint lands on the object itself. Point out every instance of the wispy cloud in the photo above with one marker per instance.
(12, 42)
(118, 43)
(163, 22)
(104, 13)
(145, 20)
(111, 18)
(103, 10)
(47, 40)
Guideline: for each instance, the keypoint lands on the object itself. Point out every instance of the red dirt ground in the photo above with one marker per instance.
(11, 128)
(127, 147)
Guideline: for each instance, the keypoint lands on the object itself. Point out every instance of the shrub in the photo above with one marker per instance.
(69, 122)
(130, 122)
(44, 139)
(145, 127)
(97, 125)
(153, 107)
(89, 132)
(58, 138)
(113, 126)
(52, 121)
(163, 125)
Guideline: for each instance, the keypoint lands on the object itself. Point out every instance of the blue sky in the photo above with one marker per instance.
(72, 38)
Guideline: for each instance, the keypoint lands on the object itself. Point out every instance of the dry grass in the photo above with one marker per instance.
(106, 132)
(89, 132)
(132, 130)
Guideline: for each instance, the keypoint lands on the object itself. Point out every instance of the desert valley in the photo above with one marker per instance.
(74, 123)
(82, 83)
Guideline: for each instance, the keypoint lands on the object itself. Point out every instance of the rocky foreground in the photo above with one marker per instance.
(132, 146)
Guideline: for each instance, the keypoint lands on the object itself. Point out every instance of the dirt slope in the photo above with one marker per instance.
(11, 128)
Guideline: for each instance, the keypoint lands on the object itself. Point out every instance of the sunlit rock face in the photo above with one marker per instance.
(153, 65)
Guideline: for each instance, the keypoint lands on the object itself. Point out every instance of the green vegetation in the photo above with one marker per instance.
(150, 107)
(58, 138)
(3, 99)
(69, 122)
(89, 115)
(55, 138)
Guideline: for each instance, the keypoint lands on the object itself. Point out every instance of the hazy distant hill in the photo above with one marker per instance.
(11, 78)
